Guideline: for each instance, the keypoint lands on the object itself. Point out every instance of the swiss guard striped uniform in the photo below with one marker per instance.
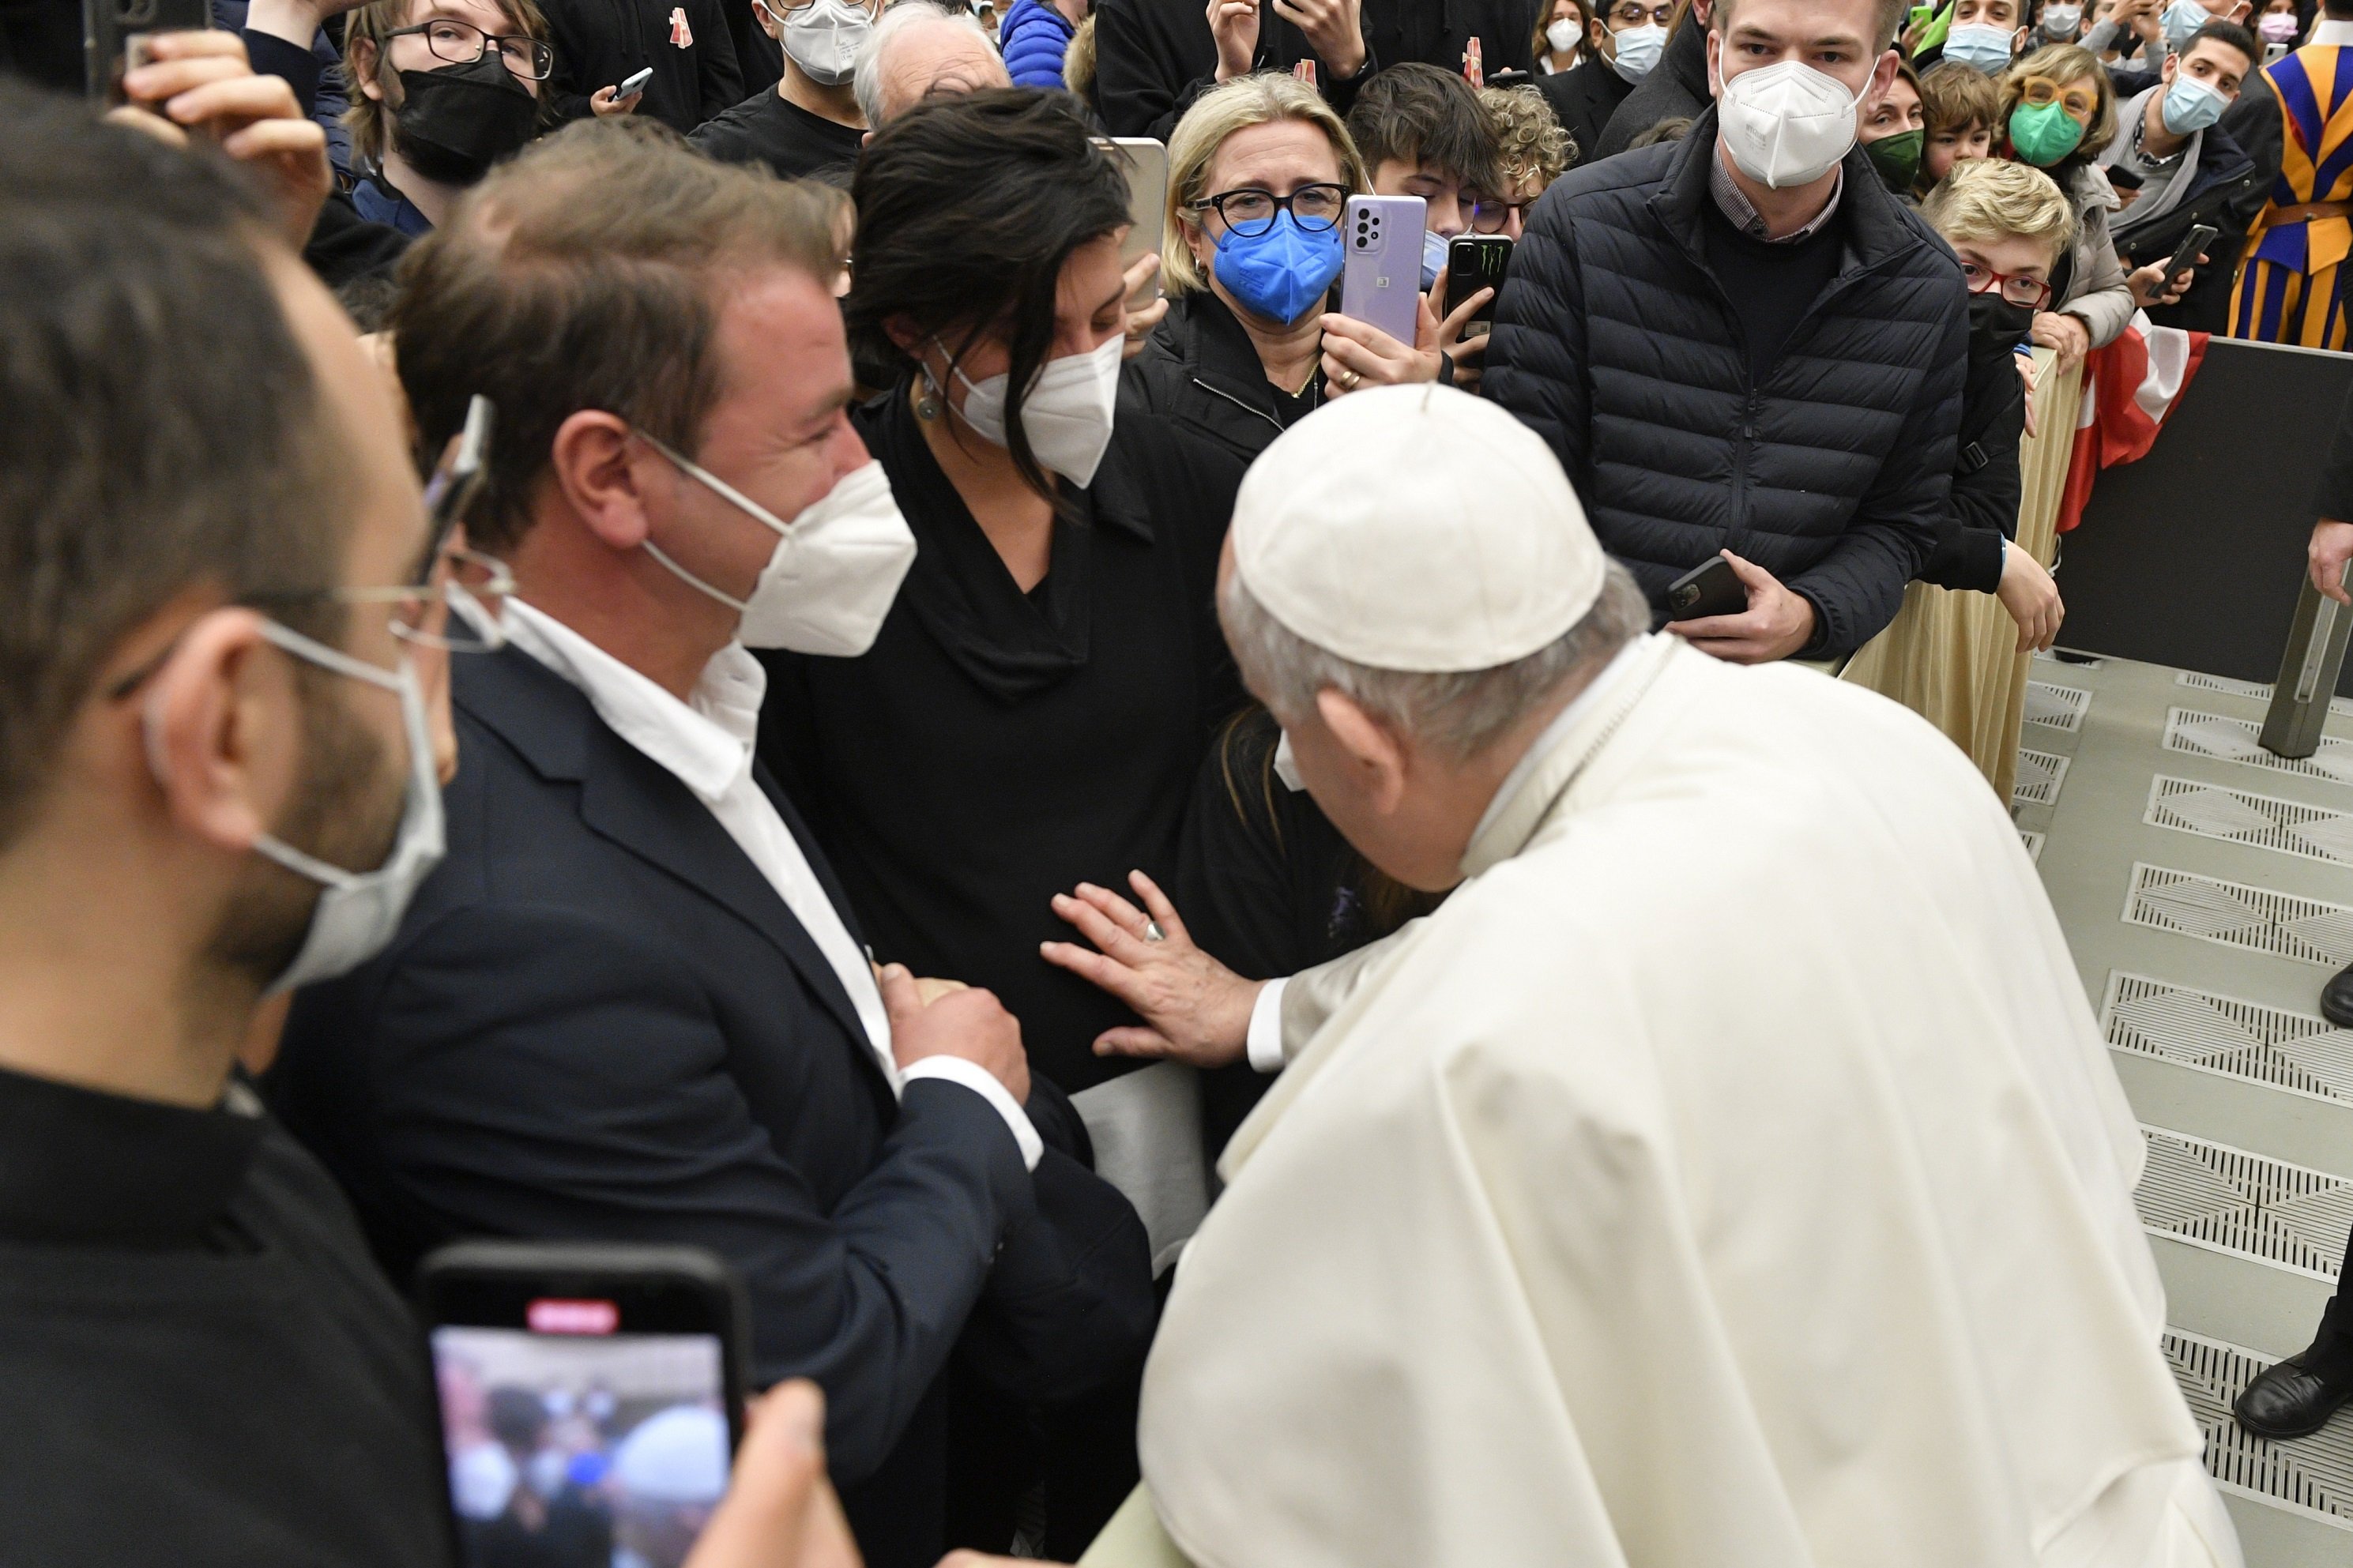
(2288, 292)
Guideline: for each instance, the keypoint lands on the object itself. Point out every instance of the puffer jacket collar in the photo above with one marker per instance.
(1875, 230)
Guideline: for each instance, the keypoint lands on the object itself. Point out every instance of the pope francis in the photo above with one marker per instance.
(1729, 1174)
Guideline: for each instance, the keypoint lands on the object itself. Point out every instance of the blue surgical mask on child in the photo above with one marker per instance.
(1282, 274)
(1433, 257)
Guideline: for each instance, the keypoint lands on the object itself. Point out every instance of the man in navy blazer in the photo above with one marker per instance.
(632, 1003)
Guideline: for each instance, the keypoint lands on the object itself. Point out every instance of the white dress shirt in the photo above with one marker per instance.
(707, 743)
(1262, 1044)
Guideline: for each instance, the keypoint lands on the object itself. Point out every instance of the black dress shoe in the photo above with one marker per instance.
(2288, 1401)
(2337, 999)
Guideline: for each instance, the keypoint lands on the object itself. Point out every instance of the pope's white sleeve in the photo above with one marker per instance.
(984, 1083)
(1265, 1038)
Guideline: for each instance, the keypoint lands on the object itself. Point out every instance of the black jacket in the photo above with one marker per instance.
(2236, 166)
(1616, 340)
(1676, 89)
(602, 43)
(200, 1366)
(1983, 512)
(1153, 58)
(1199, 371)
(599, 1021)
(1583, 97)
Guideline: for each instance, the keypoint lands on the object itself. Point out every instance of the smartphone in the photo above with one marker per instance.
(1711, 588)
(636, 83)
(1380, 281)
(457, 480)
(1144, 162)
(114, 37)
(592, 1396)
(2185, 259)
(1475, 261)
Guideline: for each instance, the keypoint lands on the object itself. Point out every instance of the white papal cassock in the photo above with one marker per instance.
(1729, 1175)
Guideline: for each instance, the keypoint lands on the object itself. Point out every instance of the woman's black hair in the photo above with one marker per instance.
(967, 208)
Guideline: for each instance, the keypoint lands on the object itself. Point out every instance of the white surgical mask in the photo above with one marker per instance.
(1564, 35)
(2182, 20)
(1786, 124)
(2061, 22)
(358, 912)
(1981, 45)
(824, 37)
(830, 583)
(1067, 415)
(1638, 50)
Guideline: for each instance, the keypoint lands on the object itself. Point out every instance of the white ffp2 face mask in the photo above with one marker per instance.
(1787, 124)
(1067, 415)
(830, 583)
(358, 912)
(823, 38)
(1563, 35)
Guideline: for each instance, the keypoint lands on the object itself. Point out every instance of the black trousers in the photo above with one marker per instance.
(2332, 1348)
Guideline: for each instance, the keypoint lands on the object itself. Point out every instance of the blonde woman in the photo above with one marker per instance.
(1259, 173)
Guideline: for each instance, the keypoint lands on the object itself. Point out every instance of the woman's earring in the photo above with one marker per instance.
(927, 402)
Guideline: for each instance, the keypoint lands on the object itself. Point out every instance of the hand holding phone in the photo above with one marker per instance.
(1475, 261)
(1380, 281)
(2191, 251)
(591, 1395)
(1711, 588)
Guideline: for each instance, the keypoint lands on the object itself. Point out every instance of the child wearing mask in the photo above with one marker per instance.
(1959, 107)
(2009, 225)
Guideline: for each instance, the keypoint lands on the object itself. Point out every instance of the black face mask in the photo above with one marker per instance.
(1996, 326)
(455, 124)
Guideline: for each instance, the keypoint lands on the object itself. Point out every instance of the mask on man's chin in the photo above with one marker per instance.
(453, 124)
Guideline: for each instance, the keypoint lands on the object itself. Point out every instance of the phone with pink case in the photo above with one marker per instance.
(1380, 281)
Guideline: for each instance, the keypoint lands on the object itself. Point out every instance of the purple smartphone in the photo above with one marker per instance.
(1381, 283)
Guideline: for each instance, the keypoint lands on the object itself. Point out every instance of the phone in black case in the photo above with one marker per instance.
(114, 35)
(1711, 588)
(592, 1397)
(1475, 261)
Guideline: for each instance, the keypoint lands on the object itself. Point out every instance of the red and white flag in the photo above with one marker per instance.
(2130, 388)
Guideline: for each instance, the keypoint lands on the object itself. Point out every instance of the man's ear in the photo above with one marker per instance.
(222, 728)
(603, 473)
(1372, 748)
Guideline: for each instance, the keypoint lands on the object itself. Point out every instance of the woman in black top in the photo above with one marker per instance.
(1033, 713)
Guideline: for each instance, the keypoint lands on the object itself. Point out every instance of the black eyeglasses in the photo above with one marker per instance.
(1250, 213)
(462, 43)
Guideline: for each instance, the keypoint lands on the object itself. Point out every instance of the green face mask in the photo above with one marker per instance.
(1898, 158)
(2042, 133)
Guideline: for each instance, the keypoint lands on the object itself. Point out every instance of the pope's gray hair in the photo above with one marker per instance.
(1461, 714)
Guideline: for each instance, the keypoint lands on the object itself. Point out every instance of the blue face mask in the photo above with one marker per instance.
(1980, 47)
(1433, 257)
(1282, 274)
(2182, 20)
(2191, 105)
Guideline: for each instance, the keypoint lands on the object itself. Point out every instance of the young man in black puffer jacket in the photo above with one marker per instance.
(1740, 343)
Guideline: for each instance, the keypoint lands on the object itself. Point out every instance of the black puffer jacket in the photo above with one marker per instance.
(1198, 370)
(1616, 341)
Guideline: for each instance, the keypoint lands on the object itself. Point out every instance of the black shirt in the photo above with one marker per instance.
(996, 748)
(603, 43)
(765, 129)
(199, 1362)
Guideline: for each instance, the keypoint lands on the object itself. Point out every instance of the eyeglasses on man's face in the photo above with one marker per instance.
(462, 43)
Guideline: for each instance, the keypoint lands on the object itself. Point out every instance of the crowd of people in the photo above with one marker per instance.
(1153, 865)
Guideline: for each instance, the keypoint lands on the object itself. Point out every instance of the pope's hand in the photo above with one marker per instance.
(1777, 623)
(1197, 1010)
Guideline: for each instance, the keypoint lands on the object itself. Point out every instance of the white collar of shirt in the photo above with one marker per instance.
(1578, 707)
(2326, 32)
(707, 742)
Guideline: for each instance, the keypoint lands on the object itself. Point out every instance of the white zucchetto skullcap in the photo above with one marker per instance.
(1418, 529)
